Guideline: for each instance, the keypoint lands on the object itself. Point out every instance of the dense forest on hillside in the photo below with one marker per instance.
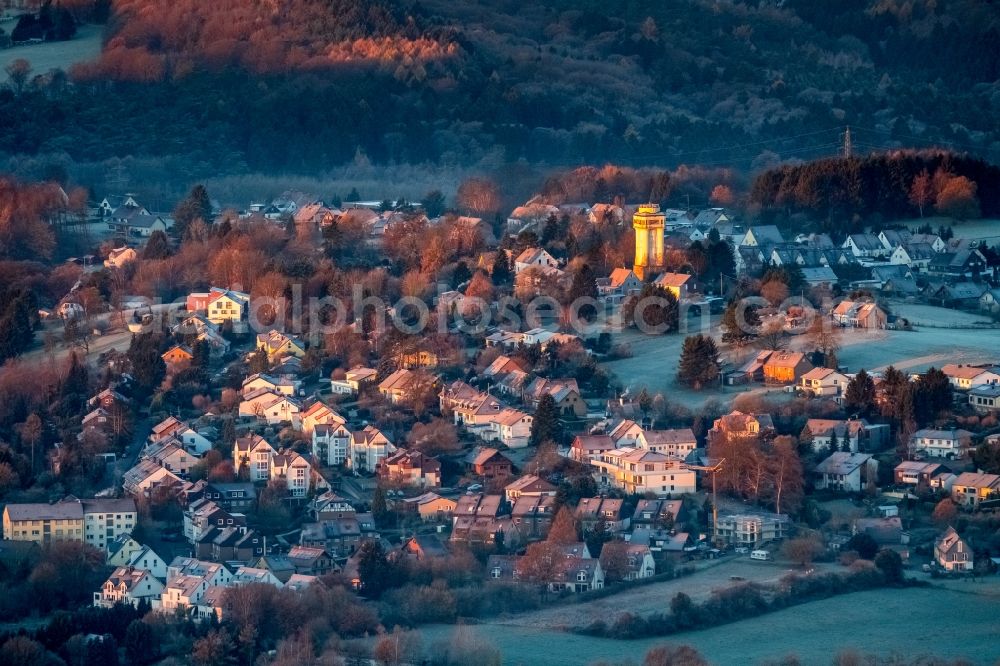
(846, 192)
(303, 85)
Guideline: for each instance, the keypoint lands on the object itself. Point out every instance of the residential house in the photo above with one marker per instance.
(621, 283)
(534, 256)
(119, 257)
(121, 549)
(294, 470)
(916, 256)
(148, 475)
(403, 384)
(985, 399)
(950, 444)
(742, 425)
(479, 520)
(255, 453)
(238, 497)
(853, 432)
(469, 407)
(626, 432)
(573, 573)
(763, 235)
(489, 463)
(353, 380)
(411, 469)
(310, 560)
(528, 485)
(422, 547)
(969, 489)
(637, 471)
(681, 285)
(128, 585)
(785, 367)
(959, 294)
(916, 473)
(847, 472)
(261, 380)
(865, 245)
(752, 530)
(146, 558)
(202, 515)
(565, 392)
(639, 562)
(893, 238)
(533, 514)
(605, 512)
(276, 344)
(960, 263)
(824, 382)
(247, 575)
(590, 447)
(271, 407)
(952, 553)
(331, 444)
(819, 276)
(512, 427)
(369, 447)
(330, 506)
(858, 314)
(431, 507)
(502, 366)
(178, 357)
(320, 414)
(171, 456)
(678, 442)
(965, 377)
(990, 301)
(657, 513)
(96, 522)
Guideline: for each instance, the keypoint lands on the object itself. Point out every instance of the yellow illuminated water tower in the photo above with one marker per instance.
(648, 223)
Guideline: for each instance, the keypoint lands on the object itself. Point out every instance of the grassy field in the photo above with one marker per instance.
(653, 363)
(987, 230)
(55, 55)
(911, 622)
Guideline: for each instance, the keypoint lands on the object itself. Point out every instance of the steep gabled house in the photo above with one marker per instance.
(952, 553)
(489, 463)
(607, 512)
(411, 469)
(128, 585)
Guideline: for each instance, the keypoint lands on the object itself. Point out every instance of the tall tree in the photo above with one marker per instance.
(501, 272)
(785, 473)
(699, 363)
(197, 206)
(545, 426)
(740, 324)
(922, 191)
(860, 394)
(564, 528)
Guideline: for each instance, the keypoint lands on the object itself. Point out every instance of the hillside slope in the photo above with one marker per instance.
(300, 85)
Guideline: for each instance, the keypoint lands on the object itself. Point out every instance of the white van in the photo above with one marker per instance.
(760, 555)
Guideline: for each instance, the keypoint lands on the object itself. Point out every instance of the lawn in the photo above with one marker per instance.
(911, 622)
(55, 55)
(988, 229)
(653, 363)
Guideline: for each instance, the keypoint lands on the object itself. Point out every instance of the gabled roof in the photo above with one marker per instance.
(842, 462)
(672, 279)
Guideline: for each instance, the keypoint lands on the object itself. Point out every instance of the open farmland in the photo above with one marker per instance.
(655, 597)
(909, 622)
(86, 45)
(653, 363)
(985, 230)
